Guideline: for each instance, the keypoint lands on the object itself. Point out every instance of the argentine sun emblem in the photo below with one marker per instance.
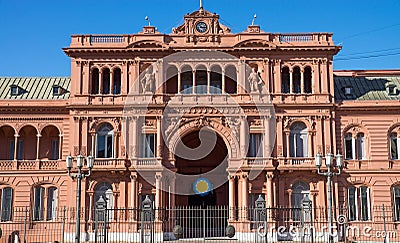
(202, 186)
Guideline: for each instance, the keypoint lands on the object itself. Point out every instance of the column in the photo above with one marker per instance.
(243, 136)
(93, 153)
(157, 202)
(289, 192)
(133, 139)
(277, 77)
(115, 144)
(91, 205)
(171, 191)
(100, 81)
(291, 81)
(232, 193)
(16, 136)
(267, 139)
(38, 146)
(327, 134)
(323, 74)
(309, 145)
(287, 136)
(134, 191)
(60, 142)
(279, 137)
(85, 77)
(159, 139)
(266, 68)
(223, 82)
(245, 193)
(315, 78)
(124, 79)
(194, 82)
(179, 82)
(111, 81)
(270, 190)
(302, 81)
(208, 81)
(353, 146)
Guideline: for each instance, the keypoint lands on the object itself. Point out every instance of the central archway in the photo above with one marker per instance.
(203, 169)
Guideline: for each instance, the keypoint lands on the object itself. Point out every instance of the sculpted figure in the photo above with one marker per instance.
(255, 81)
(148, 82)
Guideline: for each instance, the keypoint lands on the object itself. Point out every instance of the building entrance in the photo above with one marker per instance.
(208, 170)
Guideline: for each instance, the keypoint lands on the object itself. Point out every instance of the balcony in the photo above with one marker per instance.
(297, 164)
(109, 164)
(30, 165)
(258, 163)
(147, 163)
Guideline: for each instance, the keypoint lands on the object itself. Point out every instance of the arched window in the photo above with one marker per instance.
(396, 202)
(95, 81)
(296, 80)
(105, 141)
(187, 80)
(298, 140)
(45, 202)
(285, 80)
(117, 81)
(230, 79)
(394, 143)
(6, 203)
(216, 80)
(307, 80)
(359, 203)
(300, 190)
(105, 191)
(106, 81)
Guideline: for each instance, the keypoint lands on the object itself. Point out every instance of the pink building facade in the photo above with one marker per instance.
(113, 108)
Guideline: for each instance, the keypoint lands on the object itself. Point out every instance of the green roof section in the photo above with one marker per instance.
(35, 88)
(367, 88)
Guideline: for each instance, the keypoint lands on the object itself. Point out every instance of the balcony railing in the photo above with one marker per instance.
(108, 163)
(106, 39)
(297, 163)
(9, 165)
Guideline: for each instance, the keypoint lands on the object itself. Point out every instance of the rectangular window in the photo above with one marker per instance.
(52, 203)
(38, 203)
(148, 146)
(255, 145)
(364, 199)
(6, 204)
(352, 197)
(12, 150)
(396, 200)
(55, 149)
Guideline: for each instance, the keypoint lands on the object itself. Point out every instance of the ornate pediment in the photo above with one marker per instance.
(148, 44)
(254, 43)
(201, 26)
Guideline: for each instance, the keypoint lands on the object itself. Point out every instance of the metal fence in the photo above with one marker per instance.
(199, 224)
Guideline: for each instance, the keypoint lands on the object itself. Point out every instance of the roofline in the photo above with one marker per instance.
(364, 73)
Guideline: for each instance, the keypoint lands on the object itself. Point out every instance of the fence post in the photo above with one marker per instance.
(100, 215)
(306, 209)
(25, 219)
(384, 223)
(260, 216)
(147, 215)
(63, 225)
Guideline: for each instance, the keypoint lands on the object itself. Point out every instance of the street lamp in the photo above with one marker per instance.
(329, 174)
(79, 175)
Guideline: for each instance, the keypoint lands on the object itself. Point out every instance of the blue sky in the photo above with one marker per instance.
(33, 32)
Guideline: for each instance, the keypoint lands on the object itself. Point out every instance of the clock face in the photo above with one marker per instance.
(201, 27)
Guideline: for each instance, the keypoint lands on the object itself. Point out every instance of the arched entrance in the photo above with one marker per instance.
(200, 171)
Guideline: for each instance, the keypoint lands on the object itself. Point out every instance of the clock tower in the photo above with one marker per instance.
(201, 27)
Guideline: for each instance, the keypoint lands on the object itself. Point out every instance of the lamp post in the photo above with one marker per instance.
(79, 175)
(329, 174)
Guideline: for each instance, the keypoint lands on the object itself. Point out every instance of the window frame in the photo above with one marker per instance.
(148, 152)
(360, 214)
(6, 214)
(394, 139)
(256, 145)
(396, 203)
(105, 132)
(298, 141)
